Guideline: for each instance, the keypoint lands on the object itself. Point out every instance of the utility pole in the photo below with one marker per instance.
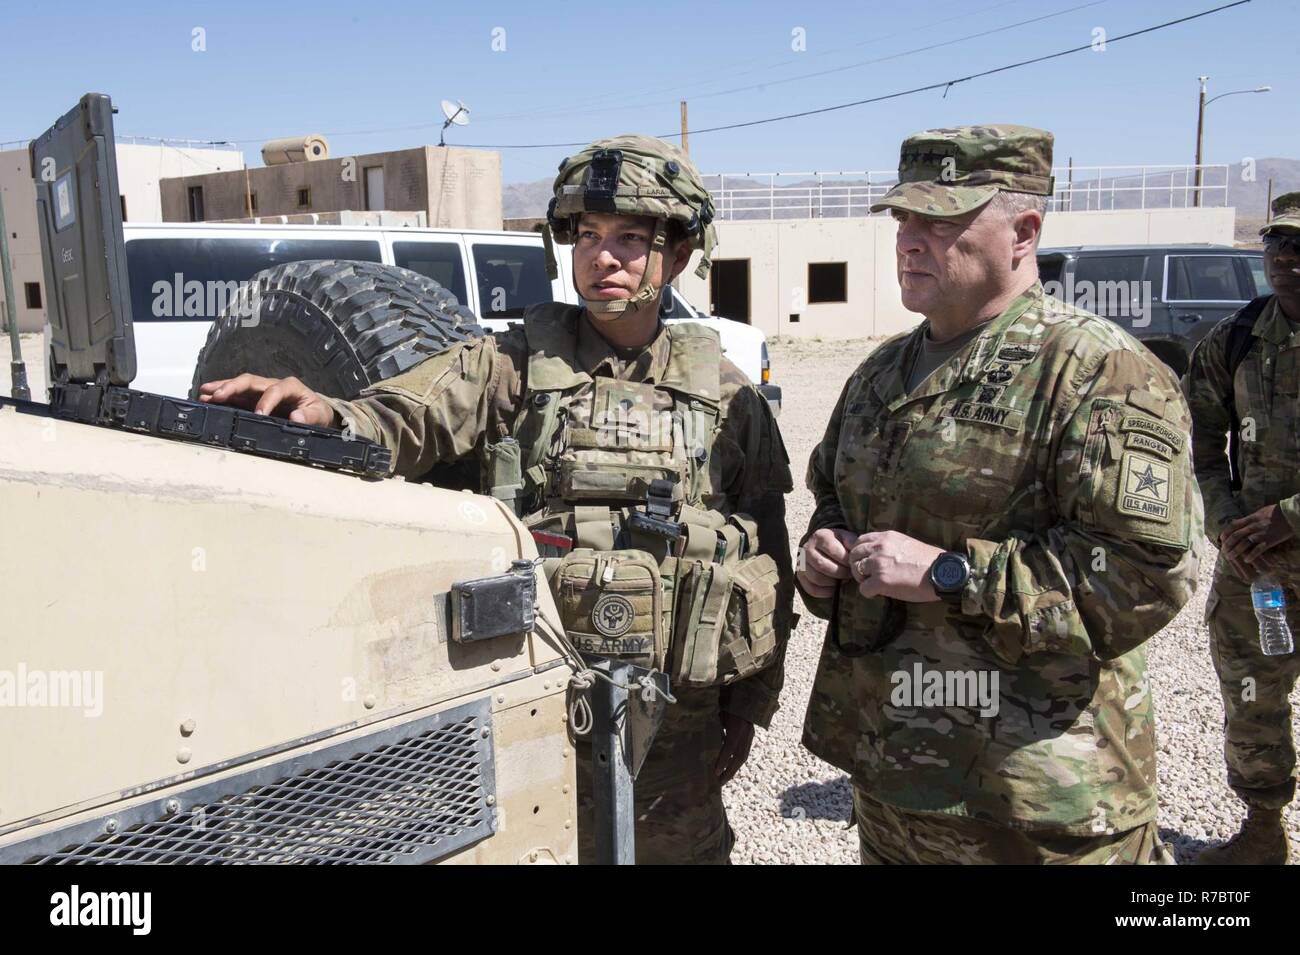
(686, 146)
(1268, 204)
(1200, 138)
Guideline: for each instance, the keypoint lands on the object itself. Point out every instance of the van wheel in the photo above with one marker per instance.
(339, 326)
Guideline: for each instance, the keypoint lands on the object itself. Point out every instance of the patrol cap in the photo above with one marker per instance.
(1286, 214)
(949, 172)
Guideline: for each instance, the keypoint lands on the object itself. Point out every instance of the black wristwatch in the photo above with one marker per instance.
(949, 574)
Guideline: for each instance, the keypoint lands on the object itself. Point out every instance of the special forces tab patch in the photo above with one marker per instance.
(1153, 428)
(1144, 488)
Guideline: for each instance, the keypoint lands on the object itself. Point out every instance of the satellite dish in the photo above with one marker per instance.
(457, 114)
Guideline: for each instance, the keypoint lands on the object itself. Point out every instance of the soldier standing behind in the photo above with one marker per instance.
(1248, 369)
(607, 407)
(1005, 513)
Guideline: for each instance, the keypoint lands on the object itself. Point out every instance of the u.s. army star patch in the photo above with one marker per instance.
(1144, 488)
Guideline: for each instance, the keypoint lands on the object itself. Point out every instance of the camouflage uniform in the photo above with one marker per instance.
(1258, 743)
(455, 404)
(1052, 451)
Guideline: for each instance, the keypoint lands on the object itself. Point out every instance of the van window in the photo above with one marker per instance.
(213, 263)
(439, 261)
(1203, 278)
(1049, 268)
(510, 278)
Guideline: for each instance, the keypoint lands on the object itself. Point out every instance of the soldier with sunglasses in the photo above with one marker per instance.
(1245, 378)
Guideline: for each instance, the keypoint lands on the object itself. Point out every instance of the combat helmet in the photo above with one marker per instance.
(635, 176)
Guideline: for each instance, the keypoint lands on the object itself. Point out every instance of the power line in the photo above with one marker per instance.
(943, 85)
(848, 66)
(568, 111)
(729, 72)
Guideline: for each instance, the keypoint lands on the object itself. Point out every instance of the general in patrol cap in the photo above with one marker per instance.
(949, 172)
(1286, 214)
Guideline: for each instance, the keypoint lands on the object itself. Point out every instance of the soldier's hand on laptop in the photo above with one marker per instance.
(282, 397)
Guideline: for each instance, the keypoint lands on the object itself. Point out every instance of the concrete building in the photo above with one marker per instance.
(835, 278)
(454, 188)
(139, 169)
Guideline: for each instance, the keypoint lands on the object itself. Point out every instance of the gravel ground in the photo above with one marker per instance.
(787, 806)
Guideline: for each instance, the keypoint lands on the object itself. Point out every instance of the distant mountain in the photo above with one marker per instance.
(736, 194)
(525, 200)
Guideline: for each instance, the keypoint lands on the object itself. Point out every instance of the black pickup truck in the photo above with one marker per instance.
(1167, 296)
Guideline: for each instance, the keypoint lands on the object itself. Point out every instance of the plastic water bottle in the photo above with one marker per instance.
(1270, 610)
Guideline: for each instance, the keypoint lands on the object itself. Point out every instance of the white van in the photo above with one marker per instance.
(495, 274)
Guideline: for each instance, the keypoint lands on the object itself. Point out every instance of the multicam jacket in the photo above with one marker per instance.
(1052, 451)
(451, 405)
(1266, 394)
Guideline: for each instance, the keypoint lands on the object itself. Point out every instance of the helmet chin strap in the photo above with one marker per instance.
(647, 294)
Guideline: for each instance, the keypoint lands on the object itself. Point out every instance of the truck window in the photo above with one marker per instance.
(439, 261)
(1203, 278)
(670, 306)
(1258, 277)
(1112, 283)
(510, 278)
(214, 263)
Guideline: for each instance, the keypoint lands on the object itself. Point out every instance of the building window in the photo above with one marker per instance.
(828, 282)
(123, 198)
(250, 203)
(33, 292)
(304, 198)
(196, 203)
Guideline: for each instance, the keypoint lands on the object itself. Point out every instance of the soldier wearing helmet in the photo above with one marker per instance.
(618, 427)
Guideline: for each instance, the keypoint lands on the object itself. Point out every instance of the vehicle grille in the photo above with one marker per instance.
(412, 793)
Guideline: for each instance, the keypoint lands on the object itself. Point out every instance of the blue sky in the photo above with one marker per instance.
(365, 74)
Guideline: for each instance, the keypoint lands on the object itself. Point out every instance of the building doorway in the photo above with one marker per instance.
(729, 289)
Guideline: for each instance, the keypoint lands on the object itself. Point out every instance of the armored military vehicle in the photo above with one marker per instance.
(228, 639)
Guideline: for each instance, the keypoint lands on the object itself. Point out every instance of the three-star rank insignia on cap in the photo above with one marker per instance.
(1144, 488)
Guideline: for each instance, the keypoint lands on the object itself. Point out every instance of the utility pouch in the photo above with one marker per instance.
(611, 604)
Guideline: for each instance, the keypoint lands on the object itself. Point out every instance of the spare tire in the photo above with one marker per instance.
(338, 326)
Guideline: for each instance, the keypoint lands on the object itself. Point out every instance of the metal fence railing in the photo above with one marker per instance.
(830, 195)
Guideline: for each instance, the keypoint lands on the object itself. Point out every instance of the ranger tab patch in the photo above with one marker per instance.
(1144, 488)
(1139, 441)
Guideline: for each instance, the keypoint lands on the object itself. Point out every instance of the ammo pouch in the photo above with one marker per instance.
(723, 627)
(723, 601)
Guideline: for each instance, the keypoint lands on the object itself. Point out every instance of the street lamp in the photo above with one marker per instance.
(1200, 125)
